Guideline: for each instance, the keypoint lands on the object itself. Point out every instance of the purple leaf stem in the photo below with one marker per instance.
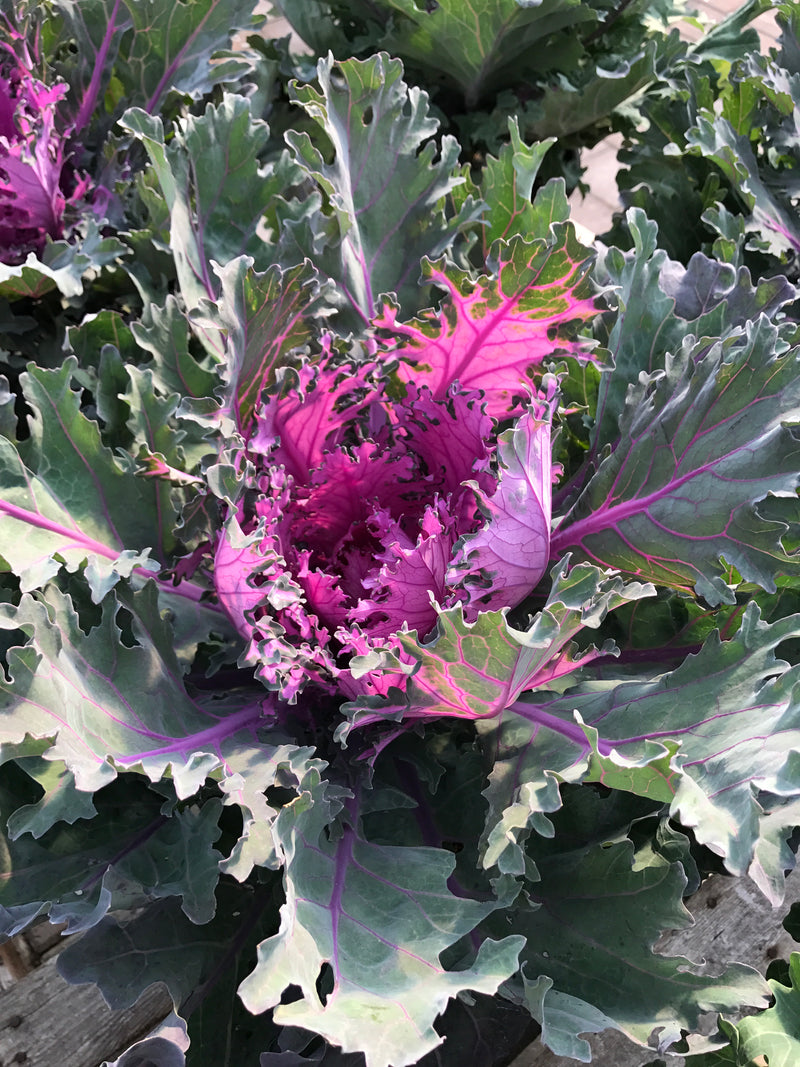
(567, 537)
(90, 96)
(571, 730)
(166, 77)
(246, 719)
(190, 590)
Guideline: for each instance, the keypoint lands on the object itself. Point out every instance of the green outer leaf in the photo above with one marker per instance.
(163, 945)
(709, 737)
(264, 316)
(773, 217)
(724, 1057)
(251, 773)
(644, 313)
(660, 303)
(171, 47)
(108, 336)
(178, 860)
(172, 171)
(201, 966)
(700, 444)
(214, 208)
(507, 186)
(385, 186)
(479, 44)
(164, 333)
(63, 266)
(61, 800)
(149, 422)
(730, 39)
(85, 691)
(380, 915)
(774, 1033)
(59, 868)
(596, 914)
(122, 856)
(562, 1018)
(565, 110)
(8, 417)
(773, 856)
(64, 496)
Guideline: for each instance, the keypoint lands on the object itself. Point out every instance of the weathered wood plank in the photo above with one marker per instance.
(733, 922)
(44, 938)
(44, 1021)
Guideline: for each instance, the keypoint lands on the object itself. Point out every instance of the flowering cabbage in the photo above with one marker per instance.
(230, 543)
(32, 166)
(369, 512)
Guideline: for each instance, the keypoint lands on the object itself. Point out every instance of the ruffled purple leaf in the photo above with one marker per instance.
(359, 503)
(311, 404)
(504, 560)
(412, 577)
(32, 156)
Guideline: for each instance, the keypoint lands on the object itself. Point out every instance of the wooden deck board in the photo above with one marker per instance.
(45, 1022)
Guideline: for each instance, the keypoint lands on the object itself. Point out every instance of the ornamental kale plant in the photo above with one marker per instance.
(398, 601)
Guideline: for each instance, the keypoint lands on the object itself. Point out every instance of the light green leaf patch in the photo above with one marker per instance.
(65, 498)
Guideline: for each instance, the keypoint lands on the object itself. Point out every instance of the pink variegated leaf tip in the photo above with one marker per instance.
(498, 333)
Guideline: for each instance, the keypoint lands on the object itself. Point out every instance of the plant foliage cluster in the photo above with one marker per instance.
(399, 596)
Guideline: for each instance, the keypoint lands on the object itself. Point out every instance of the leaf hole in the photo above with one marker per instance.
(338, 81)
(279, 796)
(366, 118)
(453, 846)
(124, 620)
(325, 983)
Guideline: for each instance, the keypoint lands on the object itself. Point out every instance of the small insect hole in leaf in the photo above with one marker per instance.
(325, 983)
